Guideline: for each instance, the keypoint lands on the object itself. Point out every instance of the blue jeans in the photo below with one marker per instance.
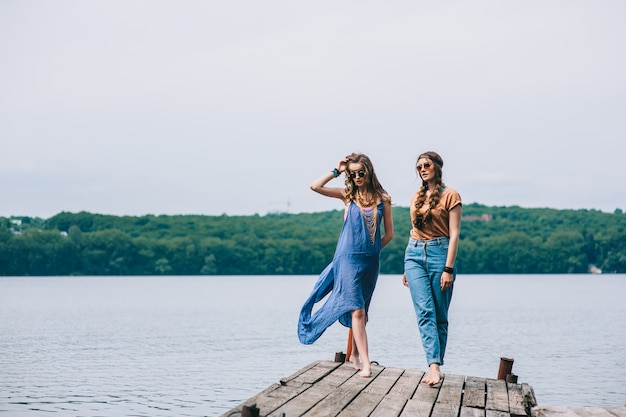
(423, 264)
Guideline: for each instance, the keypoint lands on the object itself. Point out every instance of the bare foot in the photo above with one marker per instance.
(435, 379)
(366, 372)
(356, 363)
(434, 375)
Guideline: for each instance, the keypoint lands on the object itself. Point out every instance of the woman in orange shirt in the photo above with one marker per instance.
(429, 262)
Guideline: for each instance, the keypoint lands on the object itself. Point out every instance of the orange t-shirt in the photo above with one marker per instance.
(439, 225)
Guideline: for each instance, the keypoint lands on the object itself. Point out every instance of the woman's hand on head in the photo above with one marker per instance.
(343, 165)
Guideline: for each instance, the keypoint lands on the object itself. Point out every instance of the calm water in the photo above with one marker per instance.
(198, 346)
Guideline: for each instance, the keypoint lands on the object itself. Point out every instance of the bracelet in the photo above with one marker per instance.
(335, 172)
(448, 269)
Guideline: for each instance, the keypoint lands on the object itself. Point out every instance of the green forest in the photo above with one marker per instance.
(494, 240)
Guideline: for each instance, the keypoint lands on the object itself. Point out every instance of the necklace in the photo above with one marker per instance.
(364, 202)
(370, 217)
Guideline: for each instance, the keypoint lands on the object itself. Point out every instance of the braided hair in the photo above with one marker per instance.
(435, 195)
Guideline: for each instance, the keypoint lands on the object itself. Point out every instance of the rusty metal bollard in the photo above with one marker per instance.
(506, 366)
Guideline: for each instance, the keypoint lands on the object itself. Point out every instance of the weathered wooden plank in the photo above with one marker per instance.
(390, 406)
(303, 402)
(517, 403)
(310, 375)
(284, 393)
(339, 376)
(426, 393)
(384, 381)
(369, 398)
(394, 402)
(301, 371)
(529, 395)
(417, 408)
(407, 384)
(496, 413)
(451, 390)
(308, 399)
(291, 387)
(472, 412)
(497, 396)
(362, 405)
(448, 400)
(422, 402)
(278, 397)
(337, 400)
(475, 392)
(445, 409)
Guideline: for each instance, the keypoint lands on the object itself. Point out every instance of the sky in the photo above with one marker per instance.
(235, 107)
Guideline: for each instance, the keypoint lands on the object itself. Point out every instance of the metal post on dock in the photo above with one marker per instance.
(506, 366)
(340, 356)
(512, 378)
(250, 411)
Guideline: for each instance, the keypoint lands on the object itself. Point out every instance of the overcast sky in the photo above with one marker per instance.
(211, 107)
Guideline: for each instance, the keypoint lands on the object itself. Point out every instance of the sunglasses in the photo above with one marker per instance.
(426, 165)
(361, 174)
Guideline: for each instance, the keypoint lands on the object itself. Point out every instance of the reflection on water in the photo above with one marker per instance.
(198, 346)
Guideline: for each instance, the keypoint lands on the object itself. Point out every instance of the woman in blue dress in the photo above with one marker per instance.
(350, 279)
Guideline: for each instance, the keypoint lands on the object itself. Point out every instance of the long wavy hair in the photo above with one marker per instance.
(371, 180)
(435, 195)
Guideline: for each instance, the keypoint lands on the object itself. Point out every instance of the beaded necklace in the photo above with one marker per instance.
(362, 201)
(370, 216)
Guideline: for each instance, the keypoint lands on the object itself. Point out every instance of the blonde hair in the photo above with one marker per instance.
(371, 181)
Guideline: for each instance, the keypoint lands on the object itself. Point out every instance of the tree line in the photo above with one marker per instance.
(494, 240)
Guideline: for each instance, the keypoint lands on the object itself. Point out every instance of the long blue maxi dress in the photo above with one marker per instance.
(350, 278)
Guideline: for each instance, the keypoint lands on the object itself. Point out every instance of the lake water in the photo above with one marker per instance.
(198, 346)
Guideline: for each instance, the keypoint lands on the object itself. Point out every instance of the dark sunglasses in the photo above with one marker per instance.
(426, 165)
(361, 174)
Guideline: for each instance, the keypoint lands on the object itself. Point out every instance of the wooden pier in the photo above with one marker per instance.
(326, 389)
